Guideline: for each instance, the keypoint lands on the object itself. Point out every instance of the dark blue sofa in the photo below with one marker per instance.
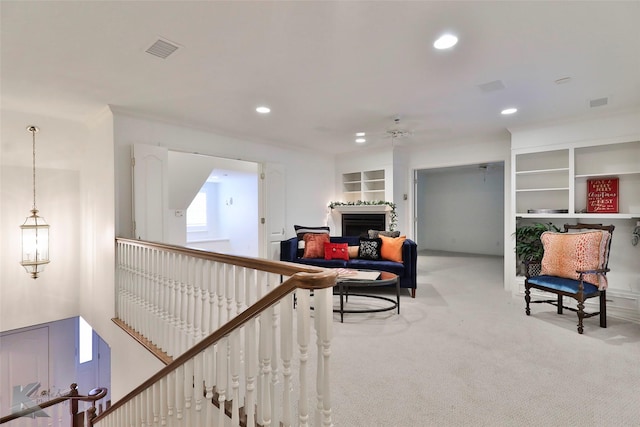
(406, 270)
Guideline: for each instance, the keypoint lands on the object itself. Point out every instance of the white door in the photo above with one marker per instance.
(273, 209)
(150, 191)
(24, 368)
(104, 366)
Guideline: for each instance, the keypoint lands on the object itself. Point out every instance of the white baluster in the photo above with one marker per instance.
(286, 343)
(188, 383)
(204, 303)
(209, 372)
(155, 402)
(157, 302)
(184, 306)
(179, 391)
(144, 294)
(221, 374)
(162, 400)
(324, 329)
(264, 353)
(251, 369)
(239, 288)
(149, 396)
(175, 306)
(229, 291)
(275, 420)
(197, 310)
(171, 393)
(241, 304)
(188, 390)
(234, 361)
(220, 291)
(166, 301)
(303, 327)
(198, 380)
(190, 276)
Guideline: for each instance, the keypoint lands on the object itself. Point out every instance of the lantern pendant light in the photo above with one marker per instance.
(35, 231)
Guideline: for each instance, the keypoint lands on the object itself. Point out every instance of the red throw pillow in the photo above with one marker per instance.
(314, 245)
(336, 251)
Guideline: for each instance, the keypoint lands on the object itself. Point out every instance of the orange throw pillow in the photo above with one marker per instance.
(564, 253)
(353, 251)
(314, 245)
(392, 248)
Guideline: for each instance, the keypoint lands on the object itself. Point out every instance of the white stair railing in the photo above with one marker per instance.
(236, 327)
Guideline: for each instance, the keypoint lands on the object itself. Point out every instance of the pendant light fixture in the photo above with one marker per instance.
(35, 231)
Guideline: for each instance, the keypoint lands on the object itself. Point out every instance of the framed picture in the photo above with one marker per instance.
(602, 195)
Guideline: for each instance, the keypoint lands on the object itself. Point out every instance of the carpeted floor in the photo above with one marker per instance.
(463, 352)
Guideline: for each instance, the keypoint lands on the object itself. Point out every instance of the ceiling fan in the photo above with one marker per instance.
(396, 131)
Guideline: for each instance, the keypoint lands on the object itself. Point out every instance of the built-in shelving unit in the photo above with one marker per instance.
(557, 180)
(365, 185)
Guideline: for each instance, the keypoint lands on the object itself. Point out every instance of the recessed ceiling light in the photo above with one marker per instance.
(360, 134)
(361, 140)
(445, 41)
(508, 111)
(263, 109)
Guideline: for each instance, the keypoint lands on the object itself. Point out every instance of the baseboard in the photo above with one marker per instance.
(153, 349)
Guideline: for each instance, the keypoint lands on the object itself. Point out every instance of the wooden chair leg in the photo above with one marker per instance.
(580, 316)
(560, 307)
(413, 292)
(603, 309)
(527, 300)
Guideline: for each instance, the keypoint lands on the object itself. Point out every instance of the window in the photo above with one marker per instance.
(197, 213)
(85, 341)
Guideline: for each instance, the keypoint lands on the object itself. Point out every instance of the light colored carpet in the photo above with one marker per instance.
(463, 352)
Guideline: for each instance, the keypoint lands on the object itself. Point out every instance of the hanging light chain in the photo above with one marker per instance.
(33, 130)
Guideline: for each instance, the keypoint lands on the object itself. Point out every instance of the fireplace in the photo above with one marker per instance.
(358, 224)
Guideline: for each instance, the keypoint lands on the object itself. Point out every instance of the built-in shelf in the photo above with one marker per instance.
(541, 171)
(366, 185)
(579, 215)
(557, 179)
(543, 189)
(596, 175)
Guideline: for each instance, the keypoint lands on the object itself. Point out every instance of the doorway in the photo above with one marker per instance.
(461, 209)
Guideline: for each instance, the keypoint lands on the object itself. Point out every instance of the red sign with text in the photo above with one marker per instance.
(602, 195)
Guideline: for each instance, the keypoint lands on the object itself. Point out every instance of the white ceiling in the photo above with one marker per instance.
(326, 69)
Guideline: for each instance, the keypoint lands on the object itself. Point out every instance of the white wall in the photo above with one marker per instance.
(461, 209)
(59, 145)
(309, 175)
(130, 363)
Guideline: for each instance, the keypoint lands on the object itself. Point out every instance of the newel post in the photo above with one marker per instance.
(77, 420)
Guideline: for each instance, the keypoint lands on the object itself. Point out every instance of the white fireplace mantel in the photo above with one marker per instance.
(362, 208)
(336, 214)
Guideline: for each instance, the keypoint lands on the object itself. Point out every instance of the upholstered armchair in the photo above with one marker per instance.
(575, 265)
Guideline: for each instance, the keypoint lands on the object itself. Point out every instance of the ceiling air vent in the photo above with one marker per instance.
(162, 48)
(491, 86)
(598, 102)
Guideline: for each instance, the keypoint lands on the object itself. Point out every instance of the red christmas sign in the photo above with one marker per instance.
(602, 195)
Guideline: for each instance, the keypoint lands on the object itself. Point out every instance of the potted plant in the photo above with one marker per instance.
(528, 244)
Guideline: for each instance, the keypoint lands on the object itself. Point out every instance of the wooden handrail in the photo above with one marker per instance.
(262, 264)
(94, 395)
(308, 278)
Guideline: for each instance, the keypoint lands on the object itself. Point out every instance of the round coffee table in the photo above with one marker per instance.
(346, 283)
